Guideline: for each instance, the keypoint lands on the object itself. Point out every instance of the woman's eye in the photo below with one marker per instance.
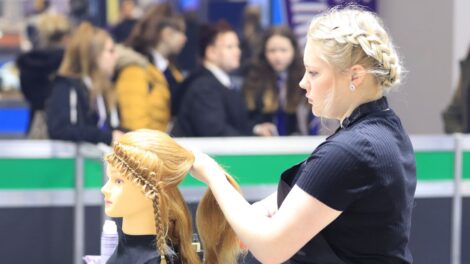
(313, 74)
(118, 181)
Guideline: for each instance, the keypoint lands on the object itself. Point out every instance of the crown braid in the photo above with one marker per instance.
(352, 28)
(376, 48)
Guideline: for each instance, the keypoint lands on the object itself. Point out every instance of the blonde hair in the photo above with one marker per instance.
(81, 60)
(52, 28)
(352, 36)
(155, 162)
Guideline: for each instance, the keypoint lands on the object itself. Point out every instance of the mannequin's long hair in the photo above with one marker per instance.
(157, 163)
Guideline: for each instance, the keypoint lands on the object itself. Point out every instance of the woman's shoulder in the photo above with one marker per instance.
(126, 56)
(66, 82)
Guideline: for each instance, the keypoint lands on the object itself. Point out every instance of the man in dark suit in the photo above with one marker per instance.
(211, 106)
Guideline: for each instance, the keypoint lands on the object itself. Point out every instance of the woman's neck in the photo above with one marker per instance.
(140, 224)
(362, 99)
(163, 50)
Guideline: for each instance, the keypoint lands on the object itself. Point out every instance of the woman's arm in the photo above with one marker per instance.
(271, 240)
(267, 206)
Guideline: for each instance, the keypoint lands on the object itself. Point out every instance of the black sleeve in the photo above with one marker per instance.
(335, 176)
(59, 124)
(208, 111)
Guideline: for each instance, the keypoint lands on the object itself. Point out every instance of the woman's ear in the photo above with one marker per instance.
(358, 73)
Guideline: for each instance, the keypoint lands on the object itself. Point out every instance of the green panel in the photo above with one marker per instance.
(46, 173)
(466, 165)
(93, 173)
(36, 173)
(247, 169)
(435, 165)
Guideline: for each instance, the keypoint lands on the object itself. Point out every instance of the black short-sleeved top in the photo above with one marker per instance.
(367, 170)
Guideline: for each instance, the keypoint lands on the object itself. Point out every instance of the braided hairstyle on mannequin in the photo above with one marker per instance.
(352, 36)
(155, 162)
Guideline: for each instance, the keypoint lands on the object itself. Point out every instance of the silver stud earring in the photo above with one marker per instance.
(352, 87)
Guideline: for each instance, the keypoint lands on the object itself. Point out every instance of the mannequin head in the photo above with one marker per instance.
(144, 171)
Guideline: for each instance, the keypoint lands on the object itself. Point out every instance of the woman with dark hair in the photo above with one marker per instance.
(147, 79)
(271, 88)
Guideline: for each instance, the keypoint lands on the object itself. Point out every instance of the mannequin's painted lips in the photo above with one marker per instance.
(108, 202)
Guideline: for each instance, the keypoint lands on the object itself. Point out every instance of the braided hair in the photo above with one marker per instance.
(352, 36)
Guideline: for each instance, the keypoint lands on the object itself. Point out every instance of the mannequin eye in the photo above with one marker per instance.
(118, 181)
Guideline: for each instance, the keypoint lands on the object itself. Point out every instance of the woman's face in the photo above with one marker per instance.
(279, 52)
(325, 87)
(107, 58)
(174, 39)
(122, 197)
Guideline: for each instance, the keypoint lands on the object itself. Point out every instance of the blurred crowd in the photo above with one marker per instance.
(85, 83)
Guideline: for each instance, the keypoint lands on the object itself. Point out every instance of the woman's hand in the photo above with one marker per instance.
(205, 168)
(265, 130)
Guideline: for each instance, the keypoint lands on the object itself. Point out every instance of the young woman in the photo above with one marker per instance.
(147, 81)
(144, 172)
(82, 106)
(356, 190)
(271, 88)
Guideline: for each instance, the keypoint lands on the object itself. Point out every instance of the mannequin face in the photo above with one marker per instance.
(122, 197)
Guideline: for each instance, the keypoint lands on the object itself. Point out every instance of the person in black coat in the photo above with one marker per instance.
(211, 106)
(38, 67)
(81, 106)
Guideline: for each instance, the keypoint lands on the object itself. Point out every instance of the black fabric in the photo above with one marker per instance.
(136, 249)
(37, 70)
(58, 113)
(175, 91)
(290, 120)
(209, 109)
(289, 125)
(316, 251)
(123, 29)
(367, 170)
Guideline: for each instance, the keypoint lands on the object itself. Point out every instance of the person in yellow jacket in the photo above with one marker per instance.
(146, 78)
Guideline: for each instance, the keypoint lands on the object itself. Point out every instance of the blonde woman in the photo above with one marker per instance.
(144, 171)
(81, 106)
(356, 190)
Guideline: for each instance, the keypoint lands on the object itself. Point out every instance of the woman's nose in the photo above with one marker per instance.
(303, 83)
